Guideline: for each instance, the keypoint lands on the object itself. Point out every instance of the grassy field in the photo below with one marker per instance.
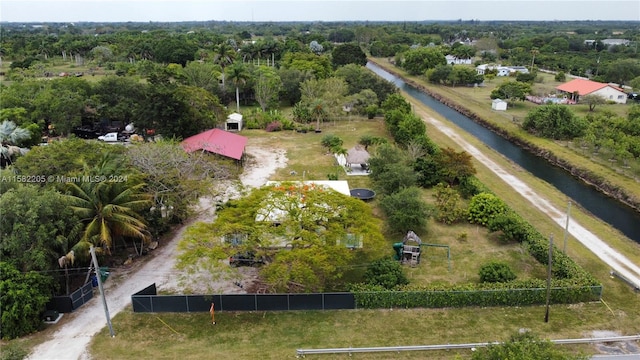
(276, 335)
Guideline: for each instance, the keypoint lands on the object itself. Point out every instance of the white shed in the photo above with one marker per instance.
(234, 122)
(499, 105)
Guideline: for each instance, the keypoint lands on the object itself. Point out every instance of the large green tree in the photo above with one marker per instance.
(266, 87)
(555, 122)
(511, 90)
(23, 296)
(417, 61)
(318, 224)
(349, 53)
(622, 71)
(36, 228)
(405, 210)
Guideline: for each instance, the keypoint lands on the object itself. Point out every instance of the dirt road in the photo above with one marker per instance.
(618, 262)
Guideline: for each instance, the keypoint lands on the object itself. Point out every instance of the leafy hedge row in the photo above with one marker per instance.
(501, 294)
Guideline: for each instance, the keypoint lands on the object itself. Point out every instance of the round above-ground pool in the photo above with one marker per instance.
(363, 194)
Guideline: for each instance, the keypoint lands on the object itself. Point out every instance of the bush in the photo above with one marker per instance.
(496, 272)
(386, 273)
(274, 126)
(484, 207)
(561, 76)
(331, 141)
(13, 351)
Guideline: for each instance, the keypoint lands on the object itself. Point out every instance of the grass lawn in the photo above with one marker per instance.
(276, 335)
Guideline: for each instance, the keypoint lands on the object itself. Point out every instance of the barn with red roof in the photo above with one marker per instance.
(217, 141)
(577, 88)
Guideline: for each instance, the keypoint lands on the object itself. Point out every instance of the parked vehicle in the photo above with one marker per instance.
(245, 259)
(111, 137)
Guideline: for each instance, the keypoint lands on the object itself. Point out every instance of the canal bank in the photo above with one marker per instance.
(602, 205)
(600, 183)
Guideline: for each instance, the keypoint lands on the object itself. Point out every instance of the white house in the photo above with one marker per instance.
(233, 123)
(577, 88)
(501, 70)
(499, 105)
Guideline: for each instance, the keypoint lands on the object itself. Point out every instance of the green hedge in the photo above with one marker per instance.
(446, 298)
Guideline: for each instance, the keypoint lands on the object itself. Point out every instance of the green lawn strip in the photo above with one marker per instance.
(276, 335)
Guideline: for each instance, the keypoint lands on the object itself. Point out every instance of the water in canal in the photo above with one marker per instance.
(618, 215)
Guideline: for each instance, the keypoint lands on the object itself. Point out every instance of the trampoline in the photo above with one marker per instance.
(363, 194)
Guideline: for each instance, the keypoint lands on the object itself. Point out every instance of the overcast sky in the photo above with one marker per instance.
(313, 10)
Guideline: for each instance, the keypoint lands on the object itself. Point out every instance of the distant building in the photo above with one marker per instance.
(577, 88)
(608, 42)
(501, 70)
(452, 60)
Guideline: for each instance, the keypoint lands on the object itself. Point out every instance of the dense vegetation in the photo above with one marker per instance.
(175, 80)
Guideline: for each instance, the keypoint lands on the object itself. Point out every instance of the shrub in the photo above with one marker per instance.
(372, 111)
(331, 141)
(386, 273)
(496, 271)
(484, 207)
(274, 126)
(561, 76)
(13, 351)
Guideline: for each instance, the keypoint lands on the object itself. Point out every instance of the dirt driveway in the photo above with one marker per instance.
(73, 333)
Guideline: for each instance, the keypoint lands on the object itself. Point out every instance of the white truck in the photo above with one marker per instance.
(111, 137)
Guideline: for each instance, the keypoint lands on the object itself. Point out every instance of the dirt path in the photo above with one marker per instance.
(618, 262)
(71, 339)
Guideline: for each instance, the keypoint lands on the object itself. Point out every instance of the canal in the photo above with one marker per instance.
(616, 214)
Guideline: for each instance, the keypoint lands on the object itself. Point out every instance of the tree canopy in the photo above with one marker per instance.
(316, 224)
(555, 122)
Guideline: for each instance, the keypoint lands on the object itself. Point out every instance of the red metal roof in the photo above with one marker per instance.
(582, 86)
(216, 141)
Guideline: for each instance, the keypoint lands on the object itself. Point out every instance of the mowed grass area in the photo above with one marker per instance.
(277, 335)
(56, 65)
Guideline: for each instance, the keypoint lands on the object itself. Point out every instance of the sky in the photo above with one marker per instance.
(313, 10)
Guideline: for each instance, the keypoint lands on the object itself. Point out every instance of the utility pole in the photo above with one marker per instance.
(104, 300)
(566, 228)
(546, 314)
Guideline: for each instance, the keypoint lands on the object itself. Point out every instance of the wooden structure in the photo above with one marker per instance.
(411, 249)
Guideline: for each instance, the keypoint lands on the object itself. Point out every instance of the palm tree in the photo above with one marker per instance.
(109, 210)
(239, 75)
(10, 135)
(318, 112)
(224, 57)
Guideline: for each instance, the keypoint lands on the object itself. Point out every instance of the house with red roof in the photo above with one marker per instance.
(582, 87)
(217, 141)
